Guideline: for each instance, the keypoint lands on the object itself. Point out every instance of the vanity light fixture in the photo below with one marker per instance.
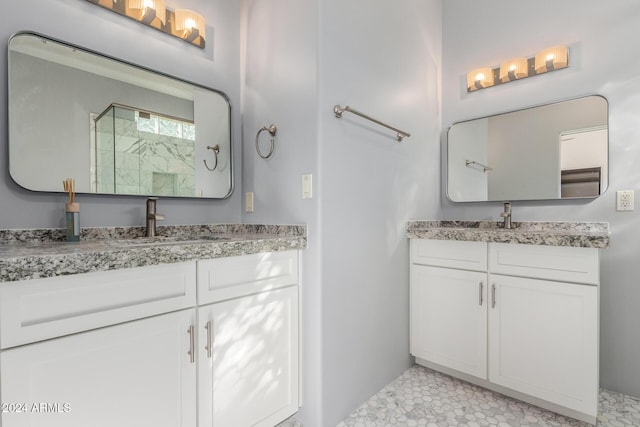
(150, 12)
(104, 3)
(551, 59)
(480, 78)
(182, 23)
(189, 25)
(516, 68)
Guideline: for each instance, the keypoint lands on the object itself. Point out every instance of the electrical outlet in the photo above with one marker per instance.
(624, 200)
(248, 201)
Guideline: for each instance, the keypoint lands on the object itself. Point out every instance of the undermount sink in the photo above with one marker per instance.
(166, 240)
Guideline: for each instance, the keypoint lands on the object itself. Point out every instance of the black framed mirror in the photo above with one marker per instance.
(548, 152)
(112, 126)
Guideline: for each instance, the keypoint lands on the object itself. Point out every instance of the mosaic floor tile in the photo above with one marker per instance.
(291, 422)
(423, 397)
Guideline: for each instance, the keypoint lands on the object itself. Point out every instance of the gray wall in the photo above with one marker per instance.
(597, 34)
(85, 24)
(280, 87)
(383, 58)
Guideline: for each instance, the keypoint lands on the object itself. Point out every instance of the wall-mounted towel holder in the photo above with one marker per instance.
(273, 130)
(338, 110)
(470, 163)
(216, 151)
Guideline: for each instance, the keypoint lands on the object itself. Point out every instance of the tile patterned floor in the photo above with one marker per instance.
(422, 397)
(291, 422)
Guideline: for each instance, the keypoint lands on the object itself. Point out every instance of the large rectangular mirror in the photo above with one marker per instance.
(114, 127)
(554, 151)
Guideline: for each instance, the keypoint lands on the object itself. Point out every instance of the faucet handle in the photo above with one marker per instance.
(506, 214)
(152, 217)
(507, 210)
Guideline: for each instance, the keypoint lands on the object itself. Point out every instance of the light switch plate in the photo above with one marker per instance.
(624, 200)
(248, 201)
(307, 186)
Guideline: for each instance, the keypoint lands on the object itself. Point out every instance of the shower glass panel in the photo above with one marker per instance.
(141, 152)
(104, 177)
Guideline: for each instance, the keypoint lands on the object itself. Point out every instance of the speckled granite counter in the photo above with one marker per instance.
(38, 253)
(578, 234)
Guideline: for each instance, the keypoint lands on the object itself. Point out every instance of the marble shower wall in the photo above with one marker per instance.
(149, 156)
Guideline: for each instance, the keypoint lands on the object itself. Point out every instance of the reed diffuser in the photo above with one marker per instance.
(72, 211)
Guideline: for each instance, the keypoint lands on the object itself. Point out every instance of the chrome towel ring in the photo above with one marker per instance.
(216, 151)
(272, 131)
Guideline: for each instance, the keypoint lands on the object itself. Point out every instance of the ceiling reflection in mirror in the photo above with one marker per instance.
(114, 127)
(554, 151)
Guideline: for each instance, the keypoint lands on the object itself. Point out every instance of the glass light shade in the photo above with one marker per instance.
(185, 24)
(186, 20)
(157, 5)
(516, 68)
(479, 78)
(552, 58)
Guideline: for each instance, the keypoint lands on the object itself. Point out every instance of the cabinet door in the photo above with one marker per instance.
(130, 375)
(449, 318)
(544, 340)
(250, 376)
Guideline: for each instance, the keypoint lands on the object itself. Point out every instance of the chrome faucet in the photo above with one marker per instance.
(152, 216)
(506, 215)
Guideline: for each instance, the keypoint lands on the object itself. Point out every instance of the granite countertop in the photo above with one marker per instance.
(577, 234)
(39, 253)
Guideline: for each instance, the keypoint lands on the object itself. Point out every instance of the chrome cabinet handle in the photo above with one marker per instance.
(191, 352)
(480, 300)
(493, 295)
(209, 346)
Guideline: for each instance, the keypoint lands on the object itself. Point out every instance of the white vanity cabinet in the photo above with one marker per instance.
(448, 305)
(74, 355)
(543, 324)
(248, 364)
(208, 343)
(133, 374)
(539, 309)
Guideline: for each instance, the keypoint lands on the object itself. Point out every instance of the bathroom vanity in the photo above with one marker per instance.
(515, 311)
(172, 331)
